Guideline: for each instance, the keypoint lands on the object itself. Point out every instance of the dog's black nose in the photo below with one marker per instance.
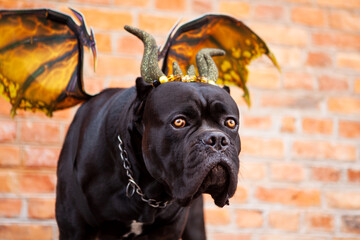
(217, 141)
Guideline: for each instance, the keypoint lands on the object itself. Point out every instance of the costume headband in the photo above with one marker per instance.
(151, 73)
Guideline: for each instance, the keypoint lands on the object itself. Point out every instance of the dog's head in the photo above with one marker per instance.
(190, 140)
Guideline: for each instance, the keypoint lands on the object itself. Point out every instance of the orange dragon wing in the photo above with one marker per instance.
(41, 59)
(240, 43)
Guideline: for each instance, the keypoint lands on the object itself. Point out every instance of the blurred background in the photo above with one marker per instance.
(300, 161)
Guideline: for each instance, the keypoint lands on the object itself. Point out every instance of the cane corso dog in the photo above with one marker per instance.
(135, 162)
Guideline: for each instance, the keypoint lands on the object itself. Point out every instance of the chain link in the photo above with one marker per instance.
(132, 186)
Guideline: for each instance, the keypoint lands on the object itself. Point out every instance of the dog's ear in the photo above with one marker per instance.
(142, 91)
(142, 88)
(226, 88)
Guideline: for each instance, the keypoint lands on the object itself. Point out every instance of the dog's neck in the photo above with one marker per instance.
(132, 187)
(154, 200)
(132, 139)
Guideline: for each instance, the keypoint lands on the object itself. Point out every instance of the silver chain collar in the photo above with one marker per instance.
(132, 186)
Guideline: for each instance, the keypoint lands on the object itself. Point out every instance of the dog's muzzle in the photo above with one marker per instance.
(213, 167)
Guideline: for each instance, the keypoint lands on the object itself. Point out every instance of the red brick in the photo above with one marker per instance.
(350, 224)
(320, 222)
(252, 171)
(231, 236)
(240, 196)
(64, 114)
(304, 2)
(41, 208)
(132, 3)
(298, 80)
(106, 19)
(317, 126)
(103, 42)
(289, 196)
(103, 2)
(7, 130)
(280, 34)
(344, 105)
(292, 101)
(239, 10)
(121, 83)
(10, 208)
(156, 24)
(5, 107)
(299, 2)
(351, 4)
(202, 6)
(287, 172)
(272, 148)
(349, 129)
(94, 85)
(208, 199)
(8, 183)
(289, 236)
(236, 93)
(249, 218)
(264, 78)
(269, 12)
(353, 175)
(41, 157)
(318, 59)
(130, 45)
(345, 239)
(288, 56)
(6, 4)
(288, 124)
(257, 122)
(348, 60)
(217, 216)
(324, 150)
(89, 69)
(332, 83)
(9, 156)
(40, 132)
(26, 232)
(118, 66)
(178, 5)
(339, 40)
(325, 174)
(344, 20)
(37, 183)
(308, 16)
(357, 86)
(343, 200)
(287, 221)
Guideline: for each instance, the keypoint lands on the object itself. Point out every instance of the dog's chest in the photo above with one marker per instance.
(135, 228)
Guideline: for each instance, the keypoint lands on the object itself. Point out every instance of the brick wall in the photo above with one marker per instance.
(300, 162)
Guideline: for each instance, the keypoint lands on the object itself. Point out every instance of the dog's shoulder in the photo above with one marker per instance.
(107, 97)
(110, 94)
(93, 112)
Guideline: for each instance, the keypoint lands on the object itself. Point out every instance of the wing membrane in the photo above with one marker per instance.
(41, 54)
(240, 43)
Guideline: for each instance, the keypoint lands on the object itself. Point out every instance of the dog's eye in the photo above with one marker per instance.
(230, 123)
(179, 123)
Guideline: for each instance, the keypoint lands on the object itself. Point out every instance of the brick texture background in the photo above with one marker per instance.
(300, 161)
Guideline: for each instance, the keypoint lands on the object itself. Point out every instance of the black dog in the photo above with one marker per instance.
(136, 161)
